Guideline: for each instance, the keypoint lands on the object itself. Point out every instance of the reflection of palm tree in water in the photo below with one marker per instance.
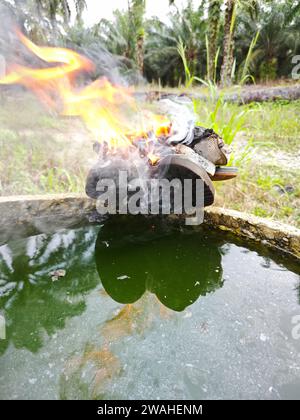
(138, 256)
(31, 301)
(151, 270)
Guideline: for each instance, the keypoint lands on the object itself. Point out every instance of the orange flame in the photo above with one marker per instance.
(109, 112)
(153, 158)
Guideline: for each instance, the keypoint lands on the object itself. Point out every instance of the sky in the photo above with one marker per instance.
(97, 9)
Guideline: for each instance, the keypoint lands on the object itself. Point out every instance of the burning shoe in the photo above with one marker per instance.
(196, 160)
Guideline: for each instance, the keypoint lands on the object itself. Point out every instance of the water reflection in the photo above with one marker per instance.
(134, 257)
(154, 270)
(33, 304)
(90, 374)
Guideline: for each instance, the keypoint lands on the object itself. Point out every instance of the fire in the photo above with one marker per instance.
(153, 159)
(109, 111)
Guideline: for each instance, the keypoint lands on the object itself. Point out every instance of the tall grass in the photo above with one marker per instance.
(181, 48)
(227, 121)
(189, 77)
(245, 75)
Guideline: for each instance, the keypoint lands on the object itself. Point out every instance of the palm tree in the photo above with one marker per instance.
(228, 44)
(137, 11)
(29, 297)
(116, 35)
(43, 19)
(251, 8)
(278, 25)
(214, 14)
(53, 8)
(162, 60)
(125, 34)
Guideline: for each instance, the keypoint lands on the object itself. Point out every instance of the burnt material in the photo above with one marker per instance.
(173, 166)
(197, 160)
(183, 167)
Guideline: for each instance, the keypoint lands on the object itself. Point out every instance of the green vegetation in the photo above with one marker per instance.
(265, 141)
(40, 153)
(226, 41)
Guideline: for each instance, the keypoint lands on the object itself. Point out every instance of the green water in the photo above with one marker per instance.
(145, 310)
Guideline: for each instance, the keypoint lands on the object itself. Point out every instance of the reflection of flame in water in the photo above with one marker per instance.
(151, 295)
(105, 366)
(124, 323)
(134, 318)
(110, 112)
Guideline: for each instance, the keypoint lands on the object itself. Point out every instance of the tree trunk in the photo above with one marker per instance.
(246, 96)
(140, 53)
(137, 10)
(214, 12)
(267, 94)
(228, 45)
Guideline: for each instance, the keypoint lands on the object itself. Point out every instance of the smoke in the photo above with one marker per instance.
(181, 113)
(120, 72)
(25, 17)
(117, 69)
